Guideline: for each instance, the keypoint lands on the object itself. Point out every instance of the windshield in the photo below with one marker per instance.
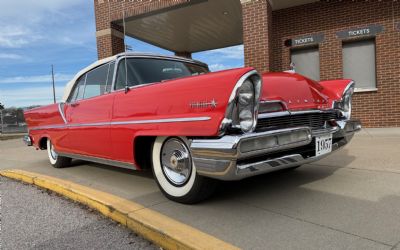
(150, 70)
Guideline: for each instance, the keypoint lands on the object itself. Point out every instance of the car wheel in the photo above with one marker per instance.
(175, 172)
(56, 160)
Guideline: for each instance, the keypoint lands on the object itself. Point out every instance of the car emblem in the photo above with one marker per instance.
(205, 104)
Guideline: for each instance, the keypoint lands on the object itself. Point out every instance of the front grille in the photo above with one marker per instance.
(313, 120)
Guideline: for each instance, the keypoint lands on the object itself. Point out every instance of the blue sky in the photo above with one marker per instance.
(36, 34)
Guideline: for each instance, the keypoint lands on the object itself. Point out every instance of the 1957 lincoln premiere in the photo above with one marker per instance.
(190, 126)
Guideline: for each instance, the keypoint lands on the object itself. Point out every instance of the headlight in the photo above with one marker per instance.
(345, 103)
(243, 104)
(246, 103)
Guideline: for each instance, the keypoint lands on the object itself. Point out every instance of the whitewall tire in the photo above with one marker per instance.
(56, 160)
(175, 172)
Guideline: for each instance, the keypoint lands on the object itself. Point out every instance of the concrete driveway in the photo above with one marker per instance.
(350, 200)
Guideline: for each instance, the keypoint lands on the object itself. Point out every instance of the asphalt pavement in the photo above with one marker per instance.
(349, 200)
(32, 218)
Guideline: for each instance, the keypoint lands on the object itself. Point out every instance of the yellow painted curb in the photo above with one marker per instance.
(158, 228)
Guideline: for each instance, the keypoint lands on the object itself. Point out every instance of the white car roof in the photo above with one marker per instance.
(70, 84)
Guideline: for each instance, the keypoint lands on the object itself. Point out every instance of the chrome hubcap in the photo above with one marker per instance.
(53, 153)
(176, 161)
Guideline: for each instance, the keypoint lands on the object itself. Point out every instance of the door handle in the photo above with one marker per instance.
(75, 104)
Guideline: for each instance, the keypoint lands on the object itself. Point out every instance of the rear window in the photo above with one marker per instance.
(148, 70)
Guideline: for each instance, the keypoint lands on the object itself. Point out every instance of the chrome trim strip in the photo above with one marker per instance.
(163, 120)
(61, 110)
(164, 57)
(273, 114)
(99, 160)
(48, 127)
(99, 124)
(288, 113)
(276, 101)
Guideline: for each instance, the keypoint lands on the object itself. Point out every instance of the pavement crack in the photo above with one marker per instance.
(396, 245)
(314, 223)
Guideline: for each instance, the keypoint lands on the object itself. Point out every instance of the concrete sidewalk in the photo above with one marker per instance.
(349, 200)
(7, 136)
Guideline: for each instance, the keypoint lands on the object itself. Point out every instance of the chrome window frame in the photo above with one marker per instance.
(74, 88)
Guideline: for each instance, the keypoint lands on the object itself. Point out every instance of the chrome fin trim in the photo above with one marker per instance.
(61, 110)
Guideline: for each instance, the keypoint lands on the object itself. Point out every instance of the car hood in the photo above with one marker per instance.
(297, 91)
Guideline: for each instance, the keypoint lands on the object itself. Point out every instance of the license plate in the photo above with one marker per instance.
(323, 145)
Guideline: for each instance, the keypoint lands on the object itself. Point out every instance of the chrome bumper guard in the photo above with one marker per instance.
(234, 157)
(27, 140)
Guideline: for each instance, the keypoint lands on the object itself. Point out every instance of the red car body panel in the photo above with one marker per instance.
(301, 93)
(107, 134)
(90, 140)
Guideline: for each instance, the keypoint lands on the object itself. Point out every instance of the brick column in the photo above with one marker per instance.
(184, 54)
(110, 41)
(109, 36)
(257, 34)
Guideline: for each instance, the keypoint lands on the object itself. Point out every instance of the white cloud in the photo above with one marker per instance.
(24, 23)
(27, 8)
(219, 67)
(37, 79)
(14, 37)
(236, 53)
(29, 96)
(10, 56)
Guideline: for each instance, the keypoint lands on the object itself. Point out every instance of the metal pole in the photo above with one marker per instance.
(2, 121)
(54, 87)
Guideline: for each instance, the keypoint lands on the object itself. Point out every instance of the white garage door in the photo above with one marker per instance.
(306, 62)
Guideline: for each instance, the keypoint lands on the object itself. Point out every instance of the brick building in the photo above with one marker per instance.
(325, 39)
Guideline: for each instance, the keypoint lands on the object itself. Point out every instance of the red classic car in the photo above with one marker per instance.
(190, 126)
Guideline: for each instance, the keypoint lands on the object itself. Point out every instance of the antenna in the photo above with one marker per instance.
(126, 68)
(54, 87)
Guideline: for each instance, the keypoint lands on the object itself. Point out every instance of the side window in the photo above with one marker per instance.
(121, 76)
(110, 77)
(96, 82)
(77, 94)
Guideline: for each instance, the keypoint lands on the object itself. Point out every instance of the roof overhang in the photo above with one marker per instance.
(195, 26)
(283, 4)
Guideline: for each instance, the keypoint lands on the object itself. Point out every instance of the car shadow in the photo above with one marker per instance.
(147, 173)
(286, 180)
(267, 184)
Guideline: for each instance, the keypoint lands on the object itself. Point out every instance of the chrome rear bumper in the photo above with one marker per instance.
(234, 157)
